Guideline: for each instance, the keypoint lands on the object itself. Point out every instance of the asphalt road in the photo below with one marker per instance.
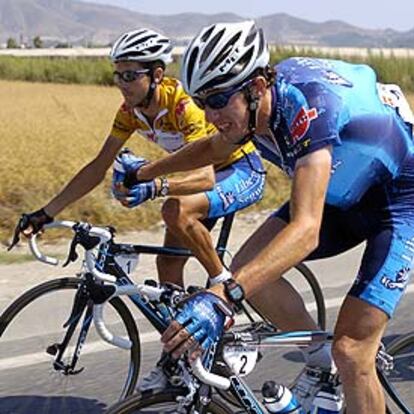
(28, 384)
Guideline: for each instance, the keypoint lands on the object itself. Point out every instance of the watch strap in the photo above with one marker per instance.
(164, 187)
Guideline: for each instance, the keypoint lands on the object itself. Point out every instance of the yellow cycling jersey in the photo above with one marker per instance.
(178, 122)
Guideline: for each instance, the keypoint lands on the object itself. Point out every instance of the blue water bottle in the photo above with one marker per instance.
(278, 399)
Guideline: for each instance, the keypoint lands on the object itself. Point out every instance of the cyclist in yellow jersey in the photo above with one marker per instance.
(158, 109)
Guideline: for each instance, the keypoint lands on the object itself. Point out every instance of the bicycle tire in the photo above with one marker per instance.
(139, 404)
(317, 293)
(399, 383)
(38, 393)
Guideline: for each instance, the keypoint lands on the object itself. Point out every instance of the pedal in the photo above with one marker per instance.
(74, 371)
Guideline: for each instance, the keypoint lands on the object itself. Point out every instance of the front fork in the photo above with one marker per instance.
(82, 301)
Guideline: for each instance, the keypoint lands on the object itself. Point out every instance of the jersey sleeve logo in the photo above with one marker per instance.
(180, 108)
(300, 124)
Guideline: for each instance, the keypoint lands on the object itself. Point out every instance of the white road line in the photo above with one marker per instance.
(98, 346)
(90, 348)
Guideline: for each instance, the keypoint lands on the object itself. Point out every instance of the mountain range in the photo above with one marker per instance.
(81, 23)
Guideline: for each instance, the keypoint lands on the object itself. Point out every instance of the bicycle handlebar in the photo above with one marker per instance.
(206, 377)
(35, 249)
(151, 292)
(103, 234)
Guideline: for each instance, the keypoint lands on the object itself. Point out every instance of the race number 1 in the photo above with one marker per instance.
(128, 262)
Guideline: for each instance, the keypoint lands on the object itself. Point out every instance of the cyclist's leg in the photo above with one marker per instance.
(183, 217)
(358, 333)
(237, 186)
(378, 288)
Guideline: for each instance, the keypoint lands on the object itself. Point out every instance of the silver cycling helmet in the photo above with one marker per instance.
(143, 45)
(223, 55)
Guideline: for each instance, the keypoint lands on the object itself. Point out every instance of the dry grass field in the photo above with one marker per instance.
(47, 133)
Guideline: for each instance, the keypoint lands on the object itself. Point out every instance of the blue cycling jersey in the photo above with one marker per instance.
(321, 102)
(318, 103)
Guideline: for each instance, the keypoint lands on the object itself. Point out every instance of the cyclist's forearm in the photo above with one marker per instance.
(194, 155)
(83, 182)
(196, 182)
(292, 245)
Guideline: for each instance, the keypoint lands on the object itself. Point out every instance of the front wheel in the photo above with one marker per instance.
(163, 403)
(34, 380)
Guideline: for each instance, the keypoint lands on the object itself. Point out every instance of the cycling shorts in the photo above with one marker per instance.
(384, 218)
(238, 186)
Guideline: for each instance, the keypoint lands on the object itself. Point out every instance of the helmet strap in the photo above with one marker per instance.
(253, 105)
(151, 90)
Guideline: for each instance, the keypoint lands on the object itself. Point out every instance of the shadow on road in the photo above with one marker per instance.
(49, 405)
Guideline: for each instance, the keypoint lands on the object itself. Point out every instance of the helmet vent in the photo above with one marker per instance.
(243, 62)
(141, 41)
(153, 49)
(134, 35)
(225, 52)
(251, 36)
(191, 61)
(211, 45)
(261, 43)
(207, 34)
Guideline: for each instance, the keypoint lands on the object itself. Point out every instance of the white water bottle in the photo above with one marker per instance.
(278, 399)
(327, 401)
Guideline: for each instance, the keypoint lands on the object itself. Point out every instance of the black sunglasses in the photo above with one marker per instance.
(129, 75)
(220, 99)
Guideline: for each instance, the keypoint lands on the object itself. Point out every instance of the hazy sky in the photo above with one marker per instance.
(396, 14)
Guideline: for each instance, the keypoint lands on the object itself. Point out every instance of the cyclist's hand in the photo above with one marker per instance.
(32, 223)
(138, 194)
(198, 324)
(29, 224)
(125, 169)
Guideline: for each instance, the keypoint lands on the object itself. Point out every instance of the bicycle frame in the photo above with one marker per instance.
(103, 268)
(148, 298)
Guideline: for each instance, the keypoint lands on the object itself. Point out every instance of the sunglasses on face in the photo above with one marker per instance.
(218, 100)
(129, 75)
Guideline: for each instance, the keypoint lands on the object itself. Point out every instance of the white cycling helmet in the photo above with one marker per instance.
(143, 45)
(223, 55)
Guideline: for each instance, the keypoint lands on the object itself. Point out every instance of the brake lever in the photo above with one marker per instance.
(73, 255)
(21, 225)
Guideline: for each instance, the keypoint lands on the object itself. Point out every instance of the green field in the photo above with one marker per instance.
(98, 71)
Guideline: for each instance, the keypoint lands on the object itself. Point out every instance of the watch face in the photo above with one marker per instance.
(235, 292)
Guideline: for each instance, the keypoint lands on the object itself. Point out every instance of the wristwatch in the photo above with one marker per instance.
(164, 187)
(234, 291)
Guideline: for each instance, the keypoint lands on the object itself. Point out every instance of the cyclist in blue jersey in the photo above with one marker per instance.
(347, 143)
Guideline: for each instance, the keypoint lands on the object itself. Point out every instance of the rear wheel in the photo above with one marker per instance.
(31, 329)
(399, 383)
